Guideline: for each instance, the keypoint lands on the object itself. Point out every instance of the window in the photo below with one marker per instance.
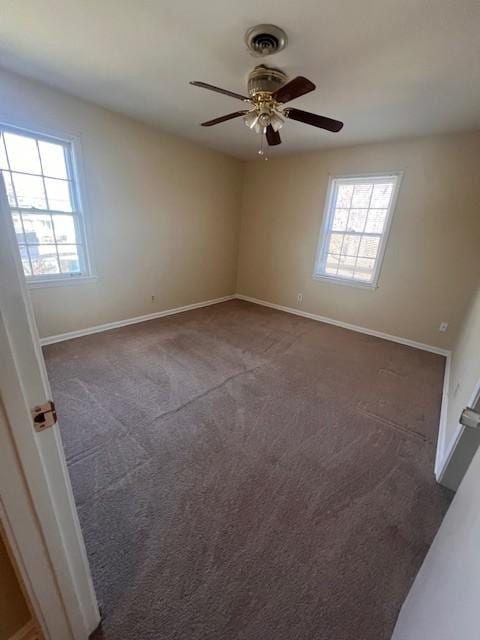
(356, 222)
(42, 192)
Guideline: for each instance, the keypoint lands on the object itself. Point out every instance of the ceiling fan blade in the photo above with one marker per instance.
(273, 137)
(297, 87)
(225, 92)
(312, 118)
(229, 116)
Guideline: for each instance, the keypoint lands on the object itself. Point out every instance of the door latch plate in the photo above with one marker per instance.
(470, 418)
(44, 416)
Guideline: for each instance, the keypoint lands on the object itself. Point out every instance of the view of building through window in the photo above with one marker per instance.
(42, 193)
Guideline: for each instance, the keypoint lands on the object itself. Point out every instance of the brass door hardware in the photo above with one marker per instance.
(44, 416)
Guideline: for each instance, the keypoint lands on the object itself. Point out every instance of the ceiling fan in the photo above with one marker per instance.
(268, 91)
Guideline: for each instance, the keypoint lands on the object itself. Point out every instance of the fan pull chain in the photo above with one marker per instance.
(261, 152)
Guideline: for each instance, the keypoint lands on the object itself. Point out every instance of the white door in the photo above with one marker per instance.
(443, 603)
(36, 500)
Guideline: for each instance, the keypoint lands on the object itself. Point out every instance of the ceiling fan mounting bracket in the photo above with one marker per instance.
(265, 40)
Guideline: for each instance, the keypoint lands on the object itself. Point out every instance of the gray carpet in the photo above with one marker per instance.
(246, 474)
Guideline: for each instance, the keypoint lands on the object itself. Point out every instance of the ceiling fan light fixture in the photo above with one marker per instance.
(276, 121)
(251, 119)
(264, 118)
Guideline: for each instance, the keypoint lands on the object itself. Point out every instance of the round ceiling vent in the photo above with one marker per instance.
(265, 39)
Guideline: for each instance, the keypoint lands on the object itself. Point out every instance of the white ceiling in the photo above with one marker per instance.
(387, 68)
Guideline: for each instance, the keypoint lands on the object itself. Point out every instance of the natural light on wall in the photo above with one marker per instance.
(356, 222)
(43, 195)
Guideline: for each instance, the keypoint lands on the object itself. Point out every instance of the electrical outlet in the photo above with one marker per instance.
(299, 298)
(456, 389)
(153, 298)
(443, 327)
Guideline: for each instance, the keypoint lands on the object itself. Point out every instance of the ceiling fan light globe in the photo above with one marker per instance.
(276, 121)
(251, 119)
(264, 119)
(259, 127)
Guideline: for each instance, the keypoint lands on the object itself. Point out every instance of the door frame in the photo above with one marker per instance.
(36, 499)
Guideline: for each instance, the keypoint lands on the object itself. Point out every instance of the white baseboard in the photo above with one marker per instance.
(27, 632)
(346, 325)
(122, 323)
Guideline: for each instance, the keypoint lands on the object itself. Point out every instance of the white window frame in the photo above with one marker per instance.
(327, 220)
(82, 227)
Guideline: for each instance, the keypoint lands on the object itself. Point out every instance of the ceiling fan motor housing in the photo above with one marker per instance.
(265, 79)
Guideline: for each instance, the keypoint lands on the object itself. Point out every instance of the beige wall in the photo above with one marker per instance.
(432, 258)
(164, 216)
(14, 613)
(163, 212)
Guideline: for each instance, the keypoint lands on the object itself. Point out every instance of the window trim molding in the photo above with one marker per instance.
(65, 281)
(326, 219)
(75, 165)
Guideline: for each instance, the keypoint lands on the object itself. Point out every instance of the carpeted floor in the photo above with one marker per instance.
(246, 474)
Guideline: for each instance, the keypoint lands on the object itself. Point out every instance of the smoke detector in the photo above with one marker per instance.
(265, 39)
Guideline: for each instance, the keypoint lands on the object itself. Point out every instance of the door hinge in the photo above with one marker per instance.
(44, 416)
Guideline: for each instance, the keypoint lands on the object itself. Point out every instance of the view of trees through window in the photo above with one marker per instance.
(41, 191)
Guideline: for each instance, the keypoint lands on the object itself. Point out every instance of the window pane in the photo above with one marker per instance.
(17, 224)
(64, 229)
(340, 220)
(356, 220)
(58, 194)
(53, 159)
(364, 269)
(362, 277)
(25, 261)
(376, 220)
(38, 228)
(346, 266)
(9, 188)
(368, 247)
(361, 195)
(3, 155)
(69, 261)
(347, 261)
(381, 195)
(335, 245)
(332, 264)
(22, 153)
(345, 270)
(344, 195)
(44, 259)
(350, 245)
(29, 190)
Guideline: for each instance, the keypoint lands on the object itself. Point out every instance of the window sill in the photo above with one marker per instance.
(343, 281)
(61, 282)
